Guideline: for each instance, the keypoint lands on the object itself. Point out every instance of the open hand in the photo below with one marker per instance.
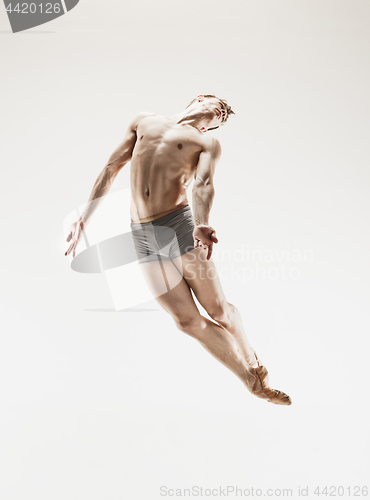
(204, 236)
(74, 236)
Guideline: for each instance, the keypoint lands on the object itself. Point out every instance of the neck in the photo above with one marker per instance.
(192, 118)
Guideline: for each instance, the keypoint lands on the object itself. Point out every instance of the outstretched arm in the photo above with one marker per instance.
(115, 163)
(103, 183)
(203, 195)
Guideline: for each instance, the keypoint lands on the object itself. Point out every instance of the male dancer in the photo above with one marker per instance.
(165, 154)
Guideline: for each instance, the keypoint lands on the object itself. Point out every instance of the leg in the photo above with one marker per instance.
(177, 300)
(202, 277)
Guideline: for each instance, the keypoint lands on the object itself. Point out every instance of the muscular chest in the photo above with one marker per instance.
(176, 143)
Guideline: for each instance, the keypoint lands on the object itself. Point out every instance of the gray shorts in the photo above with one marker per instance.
(165, 238)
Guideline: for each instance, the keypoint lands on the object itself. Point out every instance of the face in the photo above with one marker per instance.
(213, 109)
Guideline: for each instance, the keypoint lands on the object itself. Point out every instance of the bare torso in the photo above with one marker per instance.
(163, 163)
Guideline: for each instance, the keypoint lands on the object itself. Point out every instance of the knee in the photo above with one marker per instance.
(223, 313)
(191, 326)
(219, 312)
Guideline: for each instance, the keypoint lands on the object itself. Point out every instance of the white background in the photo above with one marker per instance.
(103, 404)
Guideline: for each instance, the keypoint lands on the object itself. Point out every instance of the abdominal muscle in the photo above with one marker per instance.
(154, 196)
(150, 202)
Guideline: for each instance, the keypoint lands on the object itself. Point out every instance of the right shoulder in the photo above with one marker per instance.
(138, 118)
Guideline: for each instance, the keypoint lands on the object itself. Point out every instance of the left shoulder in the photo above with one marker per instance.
(212, 146)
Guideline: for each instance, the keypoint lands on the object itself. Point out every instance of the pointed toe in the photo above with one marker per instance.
(271, 395)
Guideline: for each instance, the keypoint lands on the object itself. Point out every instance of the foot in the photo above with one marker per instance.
(259, 385)
(253, 361)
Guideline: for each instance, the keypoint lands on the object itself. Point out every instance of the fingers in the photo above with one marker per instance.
(74, 237)
(198, 243)
(206, 247)
(69, 237)
(69, 249)
(213, 237)
(72, 248)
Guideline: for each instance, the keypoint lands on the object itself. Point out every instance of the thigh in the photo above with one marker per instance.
(170, 290)
(201, 275)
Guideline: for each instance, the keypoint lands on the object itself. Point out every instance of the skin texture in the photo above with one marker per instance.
(165, 154)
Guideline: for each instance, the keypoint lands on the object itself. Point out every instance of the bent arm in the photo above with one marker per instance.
(203, 189)
(117, 160)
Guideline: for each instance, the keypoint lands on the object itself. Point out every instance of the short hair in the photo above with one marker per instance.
(229, 111)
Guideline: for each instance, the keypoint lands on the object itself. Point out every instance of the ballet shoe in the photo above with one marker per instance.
(271, 395)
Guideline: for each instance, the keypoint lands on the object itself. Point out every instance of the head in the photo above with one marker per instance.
(215, 111)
